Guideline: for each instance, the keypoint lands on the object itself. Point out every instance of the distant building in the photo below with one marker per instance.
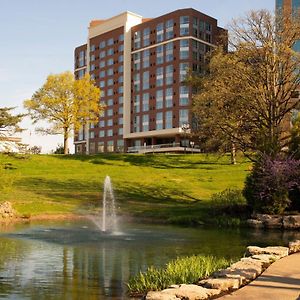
(11, 144)
(139, 65)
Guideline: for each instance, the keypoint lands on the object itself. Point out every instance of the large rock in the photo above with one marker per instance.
(278, 251)
(270, 221)
(223, 284)
(291, 222)
(255, 223)
(183, 292)
(160, 296)
(294, 246)
(6, 210)
(266, 259)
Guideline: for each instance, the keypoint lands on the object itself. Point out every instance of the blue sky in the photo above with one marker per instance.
(38, 37)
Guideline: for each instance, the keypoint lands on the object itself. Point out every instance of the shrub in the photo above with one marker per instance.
(229, 202)
(180, 270)
(268, 187)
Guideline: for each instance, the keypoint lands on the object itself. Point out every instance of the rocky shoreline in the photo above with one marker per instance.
(232, 278)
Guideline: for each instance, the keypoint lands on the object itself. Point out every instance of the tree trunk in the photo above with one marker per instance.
(66, 137)
(233, 153)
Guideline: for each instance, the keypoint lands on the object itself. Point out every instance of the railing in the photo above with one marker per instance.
(140, 149)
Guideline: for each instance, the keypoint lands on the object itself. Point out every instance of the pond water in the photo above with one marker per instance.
(74, 260)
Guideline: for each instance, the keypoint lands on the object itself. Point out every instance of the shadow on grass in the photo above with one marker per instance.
(130, 197)
(160, 161)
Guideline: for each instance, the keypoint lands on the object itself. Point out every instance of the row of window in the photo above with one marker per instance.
(163, 120)
(165, 31)
(110, 61)
(110, 146)
(107, 43)
(106, 133)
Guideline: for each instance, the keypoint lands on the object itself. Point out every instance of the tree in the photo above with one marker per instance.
(9, 123)
(65, 103)
(246, 96)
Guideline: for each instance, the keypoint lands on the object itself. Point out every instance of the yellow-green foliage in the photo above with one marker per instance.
(181, 270)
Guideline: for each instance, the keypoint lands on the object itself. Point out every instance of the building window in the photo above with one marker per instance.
(110, 62)
(169, 119)
(120, 79)
(146, 80)
(136, 124)
(136, 82)
(80, 134)
(109, 122)
(183, 116)
(120, 110)
(120, 69)
(92, 58)
(81, 73)
(137, 39)
(183, 69)
(110, 72)
(121, 100)
(184, 25)
(101, 123)
(110, 102)
(81, 61)
(110, 92)
(121, 58)
(121, 37)
(110, 82)
(120, 145)
(109, 132)
(169, 74)
(184, 49)
(146, 58)
(169, 97)
(92, 67)
(146, 37)
(120, 131)
(109, 112)
(102, 54)
(120, 121)
(102, 64)
(145, 123)
(110, 42)
(145, 101)
(160, 32)
(159, 121)
(92, 134)
(136, 104)
(136, 61)
(120, 89)
(102, 133)
(100, 147)
(159, 99)
(160, 55)
(184, 96)
(121, 48)
(110, 146)
(169, 29)
(102, 84)
(110, 51)
(169, 52)
(102, 44)
(159, 76)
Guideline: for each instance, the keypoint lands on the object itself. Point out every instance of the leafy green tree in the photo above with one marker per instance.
(246, 96)
(9, 123)
(66, 104)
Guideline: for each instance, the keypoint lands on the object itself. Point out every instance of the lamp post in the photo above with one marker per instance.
(185, 127)
(192, 145)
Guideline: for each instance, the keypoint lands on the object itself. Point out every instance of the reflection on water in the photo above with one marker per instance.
(76, 261)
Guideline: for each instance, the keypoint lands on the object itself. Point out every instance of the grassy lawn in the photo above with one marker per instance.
(158, 186)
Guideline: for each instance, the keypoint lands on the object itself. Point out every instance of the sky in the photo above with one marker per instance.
(38, 37)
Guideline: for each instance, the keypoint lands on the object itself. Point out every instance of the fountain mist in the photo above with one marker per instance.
(109, 218)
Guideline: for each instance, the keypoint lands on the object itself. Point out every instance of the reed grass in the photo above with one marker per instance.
(181, 270)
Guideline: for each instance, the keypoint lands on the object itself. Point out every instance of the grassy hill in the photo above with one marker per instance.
(156, 186)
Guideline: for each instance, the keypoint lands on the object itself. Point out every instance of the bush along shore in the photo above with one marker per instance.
(218, 283)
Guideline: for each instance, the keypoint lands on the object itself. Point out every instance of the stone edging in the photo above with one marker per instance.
(230, 279)
(291, 222)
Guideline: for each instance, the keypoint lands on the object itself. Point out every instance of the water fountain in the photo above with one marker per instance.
(109, 218)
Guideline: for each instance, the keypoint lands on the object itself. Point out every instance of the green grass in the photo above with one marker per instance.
(157, 186)
(181, 270)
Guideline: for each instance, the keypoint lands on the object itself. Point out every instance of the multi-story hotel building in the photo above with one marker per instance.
(139, 65)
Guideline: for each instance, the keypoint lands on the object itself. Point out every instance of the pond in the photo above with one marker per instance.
(74, 260)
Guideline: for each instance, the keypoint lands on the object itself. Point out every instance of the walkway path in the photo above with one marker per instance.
(281, 281)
